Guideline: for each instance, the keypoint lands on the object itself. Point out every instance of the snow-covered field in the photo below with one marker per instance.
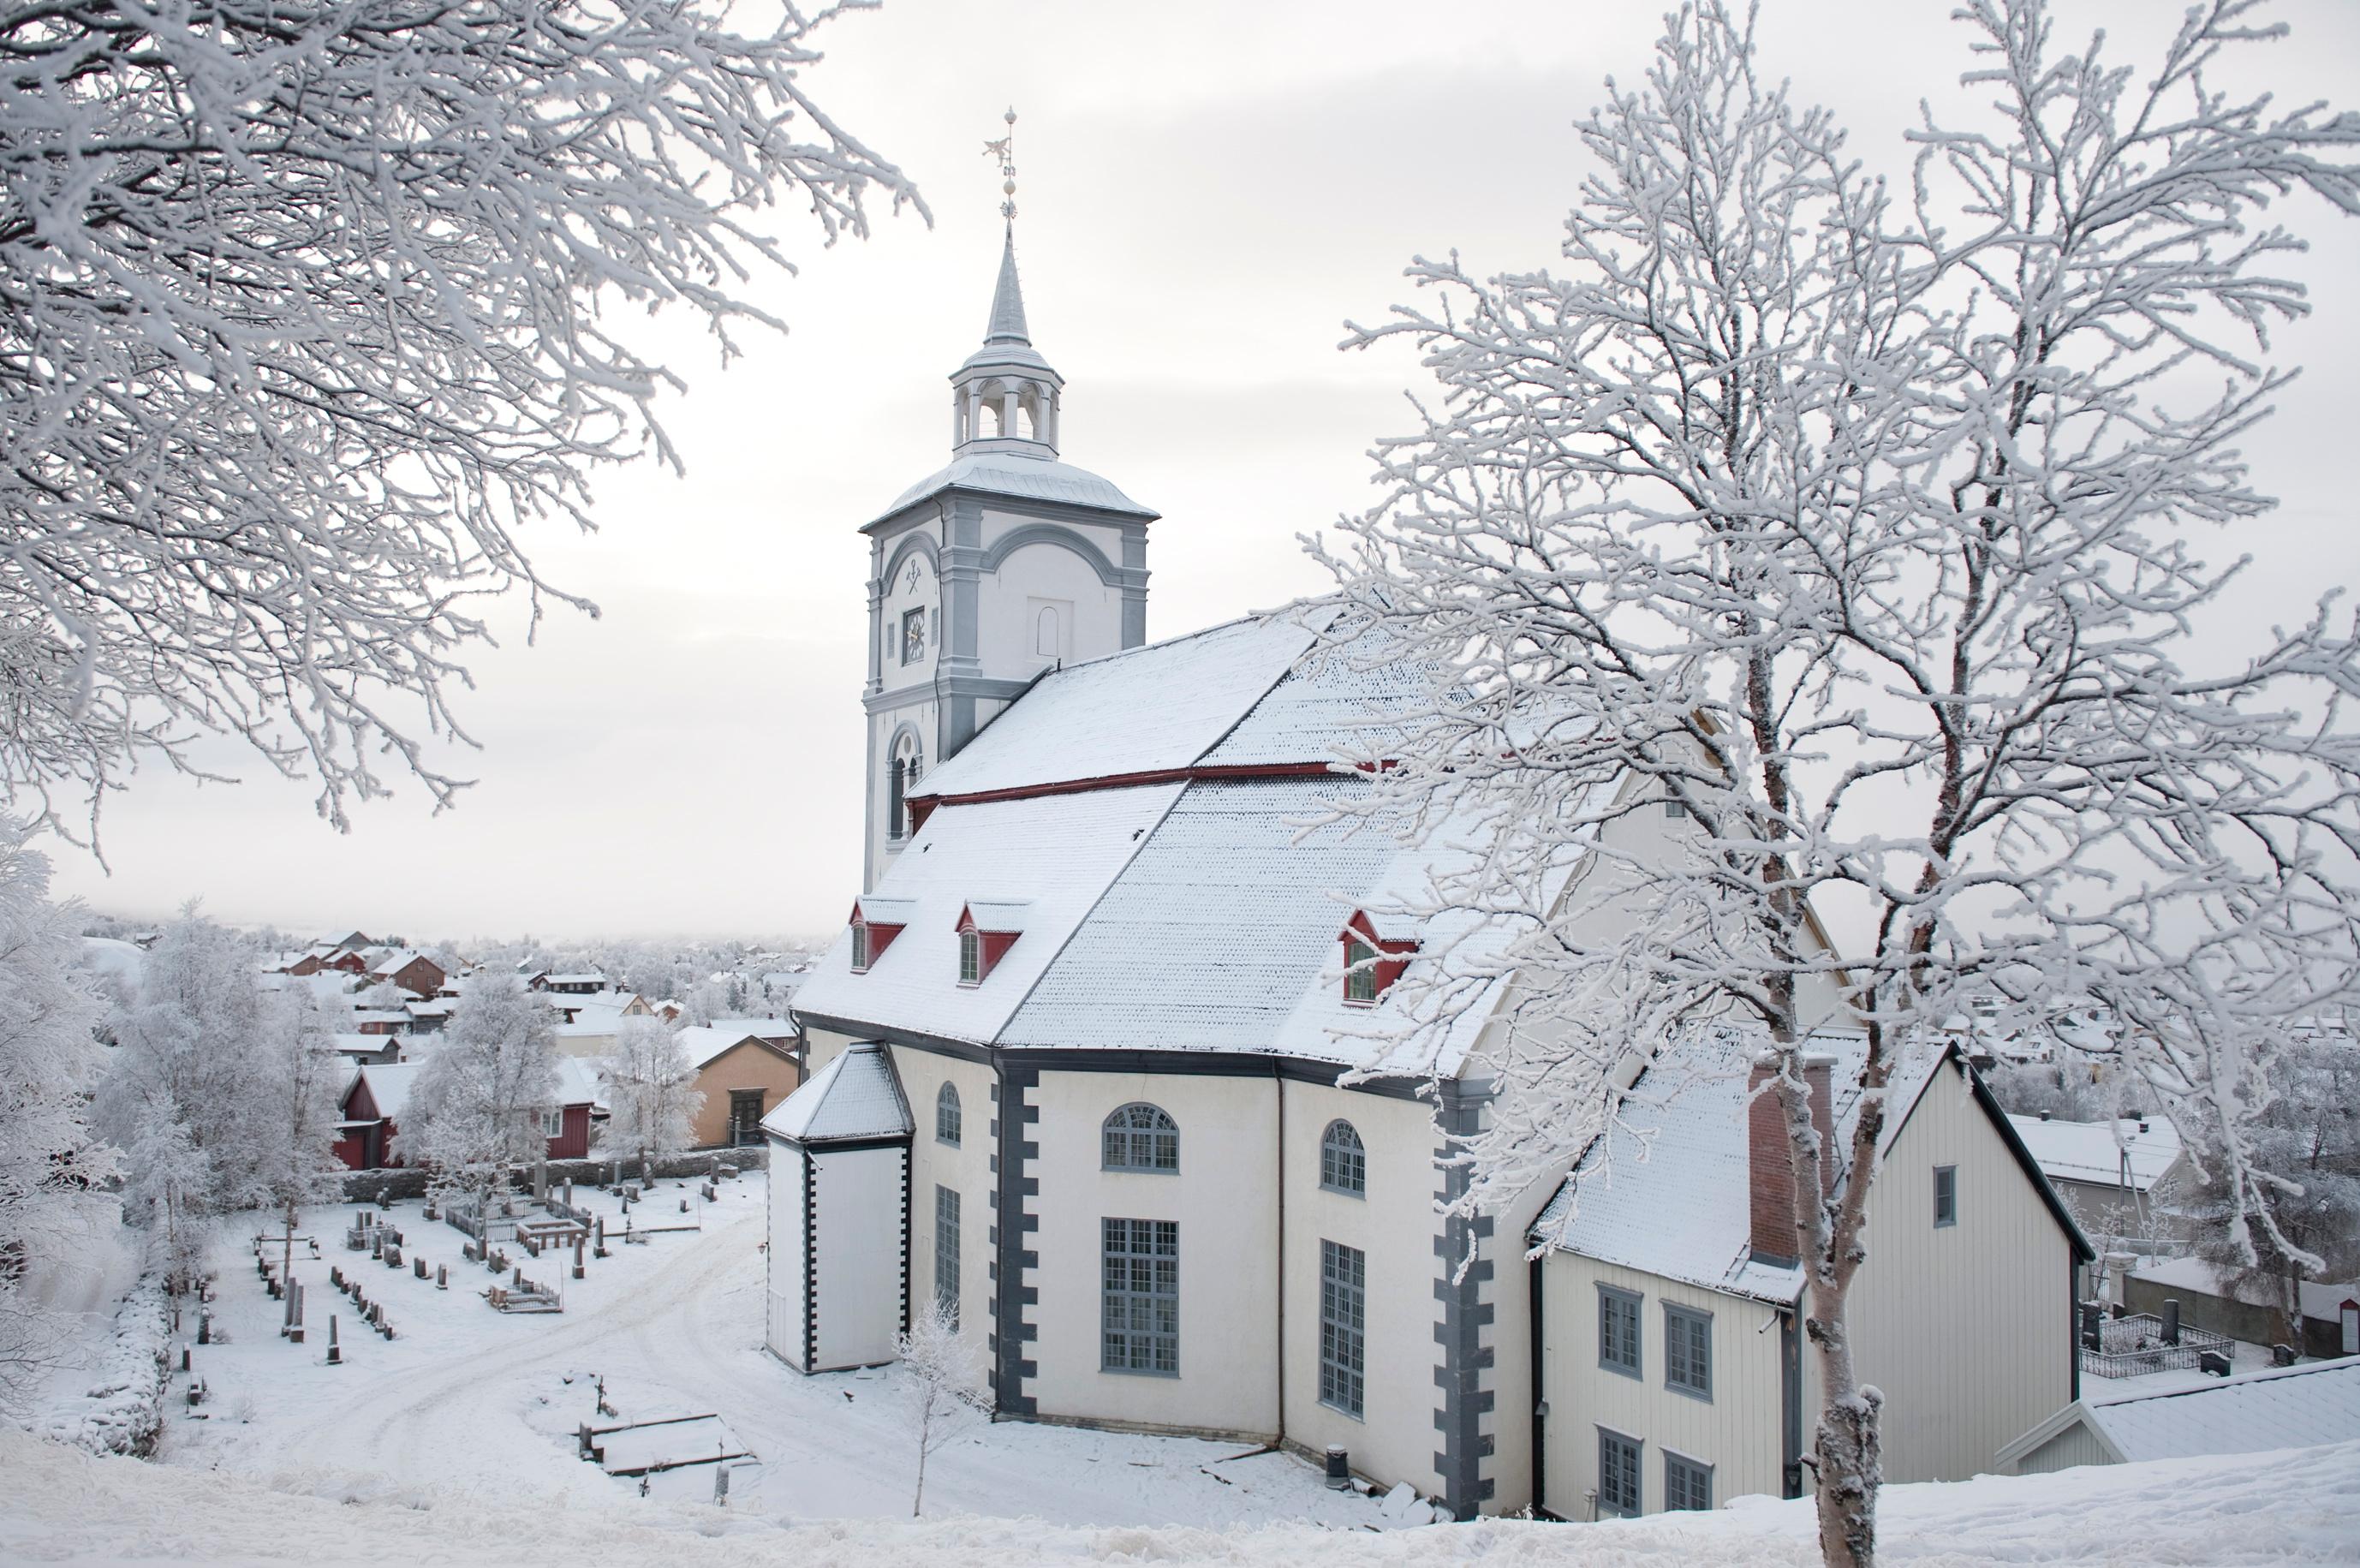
(452, 1443)
(467, 1398)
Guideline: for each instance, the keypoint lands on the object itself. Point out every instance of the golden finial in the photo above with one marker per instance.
(1004, 149)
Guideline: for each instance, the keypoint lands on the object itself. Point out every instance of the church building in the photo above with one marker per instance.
(1085, 1059)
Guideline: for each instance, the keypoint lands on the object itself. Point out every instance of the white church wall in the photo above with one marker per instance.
(964, 1168)
(1511, 1376)
(1222, 1201)
(1393, 1439)
(787, 1304)
(857, 1243)
(912, 588)
(1089, 613)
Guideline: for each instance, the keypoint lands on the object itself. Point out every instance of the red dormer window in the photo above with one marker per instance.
(986, 931)
(870, 936)
(1374, 957)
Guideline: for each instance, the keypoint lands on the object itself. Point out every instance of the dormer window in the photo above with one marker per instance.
(987, 930)
(875, 922)
(1374, 957)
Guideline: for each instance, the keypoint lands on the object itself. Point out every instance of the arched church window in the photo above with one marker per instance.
(1140, 1137)
(1044, 632)
(947, 1116)
(908, 763)
(1343, 1160)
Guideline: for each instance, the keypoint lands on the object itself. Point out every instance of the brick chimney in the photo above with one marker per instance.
(1770, 1174)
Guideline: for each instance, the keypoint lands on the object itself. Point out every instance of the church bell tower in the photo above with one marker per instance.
(1006, 563)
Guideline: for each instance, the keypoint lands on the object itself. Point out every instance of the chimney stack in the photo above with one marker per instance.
(1771, 1176)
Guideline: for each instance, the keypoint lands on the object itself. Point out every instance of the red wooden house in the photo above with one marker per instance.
(374, 1101)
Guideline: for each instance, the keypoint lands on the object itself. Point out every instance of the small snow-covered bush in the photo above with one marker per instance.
(124, 1411)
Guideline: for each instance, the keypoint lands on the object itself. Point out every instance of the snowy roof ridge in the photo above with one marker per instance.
(1024, 476)
(2238, 1379)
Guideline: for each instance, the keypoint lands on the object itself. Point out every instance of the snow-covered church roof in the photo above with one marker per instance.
(1022, 475)
(854, 1097)
(1152, 806)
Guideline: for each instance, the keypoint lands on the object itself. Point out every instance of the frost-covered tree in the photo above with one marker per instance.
(305, 308)
(946, 1385)
(185, 1098)
(651, 1094)
(50, 1160)
(2305, 1147)
(300, 1079)
(1861, 537)
(474, 1117)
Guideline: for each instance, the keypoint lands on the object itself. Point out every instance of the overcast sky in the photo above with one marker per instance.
(1208, 191)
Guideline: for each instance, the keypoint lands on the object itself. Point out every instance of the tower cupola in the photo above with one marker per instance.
(1004, 398)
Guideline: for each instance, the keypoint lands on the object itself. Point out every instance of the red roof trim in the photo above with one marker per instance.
(920, 805)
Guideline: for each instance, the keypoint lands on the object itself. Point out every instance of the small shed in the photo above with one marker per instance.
(2284, 1407)
(839, 1285)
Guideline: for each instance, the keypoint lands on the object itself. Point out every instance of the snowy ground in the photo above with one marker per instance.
(464, 1394)
(62, 1506)
(452, 1443)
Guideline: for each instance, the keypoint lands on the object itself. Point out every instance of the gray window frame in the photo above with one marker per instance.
(1676, 1315)
(947, 1251)
(1611, 1297)
(950, 1119)
(970, 957)
(1943, 1220)
(861, 955)
(1699, 1471)
(1119, 1131)
(1343, 1328)
(1139, 1297)
(1334, 1176)
(1637, 1447)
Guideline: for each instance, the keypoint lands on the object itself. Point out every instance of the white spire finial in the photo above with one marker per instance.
(1004, 149)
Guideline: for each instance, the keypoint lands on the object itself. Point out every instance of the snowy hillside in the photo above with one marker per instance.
(2299, 1506)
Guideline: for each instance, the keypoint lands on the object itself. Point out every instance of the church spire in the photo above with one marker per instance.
(1004, 399)
(1008, 300)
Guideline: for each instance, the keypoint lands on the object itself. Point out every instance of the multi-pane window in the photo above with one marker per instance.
(1618, 1330)
(946, 1252)
(1946, 1195)
(1687, 1350)
(552, 1124)
(1141, 1137)
(970, 958)
(1343, 1160)
(859, 945)
(1686, 1484)
(1359, 971)
(1140, 1317)
(913, 636)
(1618, 1473)
(1343, 1326)
(947, 1121)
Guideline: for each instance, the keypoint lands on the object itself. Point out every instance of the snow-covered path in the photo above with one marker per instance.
(468, 1399)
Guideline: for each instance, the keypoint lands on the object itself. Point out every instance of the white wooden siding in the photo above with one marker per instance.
(1737, 1431)
(1966, 1328)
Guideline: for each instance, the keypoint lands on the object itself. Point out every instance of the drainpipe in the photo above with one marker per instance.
(1280, 1079)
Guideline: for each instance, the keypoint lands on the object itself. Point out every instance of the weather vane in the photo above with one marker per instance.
(1004, 149)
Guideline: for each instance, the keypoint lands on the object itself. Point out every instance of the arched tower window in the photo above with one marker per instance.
(1140, 1137)
(1343, 1160)
(946, 1115)
(909, 761)
(1044, 632)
